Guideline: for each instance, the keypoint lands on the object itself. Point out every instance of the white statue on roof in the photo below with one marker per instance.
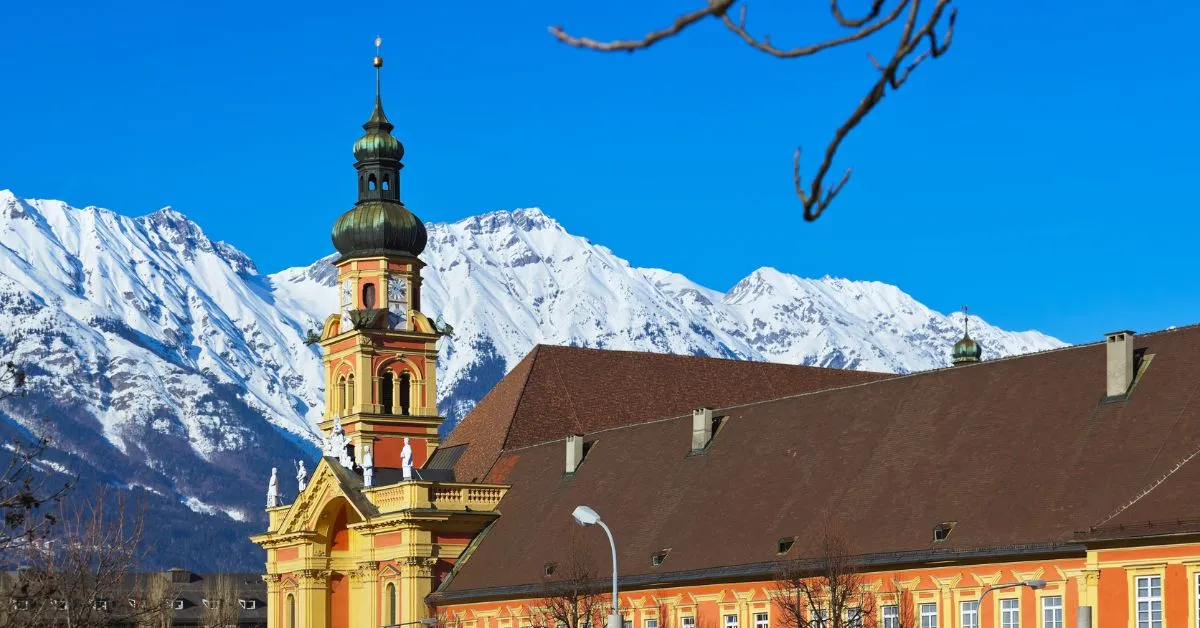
(337, 445)
(406, 459)
(368, 467)
(301, 477)
(273, 491)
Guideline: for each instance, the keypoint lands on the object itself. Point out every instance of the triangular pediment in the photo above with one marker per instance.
(329, 481)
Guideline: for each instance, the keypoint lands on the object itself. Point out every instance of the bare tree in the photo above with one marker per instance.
(828, 591)
(79, 575)
(572, 594)
(220, 601)
(25, 486)
(155, 599)
(917, 42)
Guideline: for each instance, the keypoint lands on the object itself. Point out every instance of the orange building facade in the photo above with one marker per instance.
(1105, 581)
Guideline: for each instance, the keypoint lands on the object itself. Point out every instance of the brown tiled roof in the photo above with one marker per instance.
(557, 391)
(1019, 453)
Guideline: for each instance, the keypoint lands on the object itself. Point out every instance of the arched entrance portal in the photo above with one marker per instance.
(334, 527)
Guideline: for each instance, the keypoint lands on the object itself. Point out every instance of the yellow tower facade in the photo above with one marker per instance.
(377, 526)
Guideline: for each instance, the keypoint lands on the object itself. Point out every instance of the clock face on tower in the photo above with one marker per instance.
(397, 301)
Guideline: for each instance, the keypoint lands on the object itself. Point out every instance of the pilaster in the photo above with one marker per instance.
(313, 603)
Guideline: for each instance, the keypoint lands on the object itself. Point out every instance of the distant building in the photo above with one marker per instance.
(176, 597)
(1070, 471)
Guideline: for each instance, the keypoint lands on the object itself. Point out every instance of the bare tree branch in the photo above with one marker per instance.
(828, 591)
(816, 196)
(714, 8)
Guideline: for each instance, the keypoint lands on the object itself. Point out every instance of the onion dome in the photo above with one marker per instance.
(379, 227)
(965, 351)
(379, 224)
(378, 142)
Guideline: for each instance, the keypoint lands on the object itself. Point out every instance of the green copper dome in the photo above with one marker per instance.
(966, 350)
(378, 146)
(379, 227)
(378, 143)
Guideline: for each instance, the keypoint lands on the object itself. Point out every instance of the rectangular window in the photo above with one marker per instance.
(1149, 601)
(688, 621)
(970, 614)
(891, 617)
(854, 617)
(1010, 613)
(929, 616)
(652, 623)
(731, 621)
(820, 618)
(761, 620)
(1052, 611)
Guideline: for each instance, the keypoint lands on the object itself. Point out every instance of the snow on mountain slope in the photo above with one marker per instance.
(163, 360)
(509, 280)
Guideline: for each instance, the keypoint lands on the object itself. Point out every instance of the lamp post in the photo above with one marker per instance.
(1032, 584)
(586, 517)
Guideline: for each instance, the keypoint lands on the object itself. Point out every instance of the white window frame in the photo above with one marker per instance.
(1149, 599)
(854, 617)
(820, 617)
(929, 615)
(1010, 612)
(762, 620)
(687, 621)
(651, 622)
(968, 614)
(1052, 611)
(891, 616)
(725, 620)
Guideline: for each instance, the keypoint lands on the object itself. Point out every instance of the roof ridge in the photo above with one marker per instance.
(894, 378)
(570, 400)
(535, 353)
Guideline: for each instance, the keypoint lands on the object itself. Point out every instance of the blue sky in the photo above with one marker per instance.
(1041, 172)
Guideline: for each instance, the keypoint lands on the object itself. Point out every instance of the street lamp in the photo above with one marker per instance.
(1032, 584)
(586, 517)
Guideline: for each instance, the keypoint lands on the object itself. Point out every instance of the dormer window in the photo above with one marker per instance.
(58, 605)
(548, 569)
(22, 604)
(785, 545)
(248, 604)
(658, 557)
(177, 604)
(100, 604)
(942, 530)
(213, 603)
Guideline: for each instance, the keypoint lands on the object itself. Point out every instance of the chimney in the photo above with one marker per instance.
(702, 428)
(1120, 362)
(574, 452)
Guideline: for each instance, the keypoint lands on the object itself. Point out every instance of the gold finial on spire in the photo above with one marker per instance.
(378, 57)
(966, 319)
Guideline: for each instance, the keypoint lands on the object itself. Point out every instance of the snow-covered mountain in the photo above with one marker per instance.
(162, 360)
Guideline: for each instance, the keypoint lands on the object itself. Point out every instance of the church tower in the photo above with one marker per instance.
(380, 350)
(367, 536)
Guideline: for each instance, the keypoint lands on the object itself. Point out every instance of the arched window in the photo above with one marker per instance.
(390, 603)
(350, 393)
(290, 614)
(371, 182)
(339, 396)
(368, 295)
(405, 393)
(387, 182)
(385, 392)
